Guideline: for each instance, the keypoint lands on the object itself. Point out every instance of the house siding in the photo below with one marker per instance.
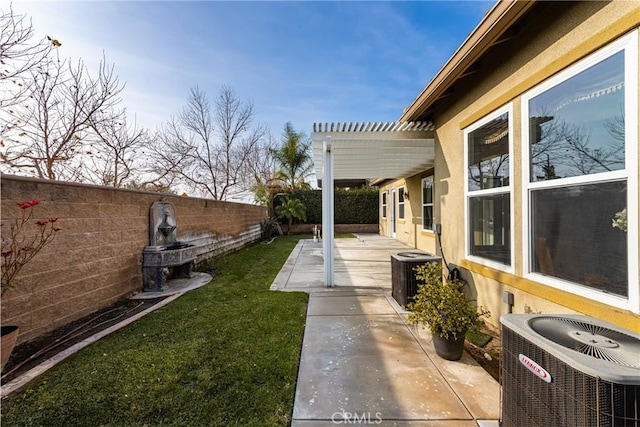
(554, 36)
(409, 230)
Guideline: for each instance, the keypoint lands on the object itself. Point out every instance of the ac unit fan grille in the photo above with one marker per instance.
(572, 399)
(586, 338)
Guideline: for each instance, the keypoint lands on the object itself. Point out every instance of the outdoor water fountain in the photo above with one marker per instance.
(165, 255)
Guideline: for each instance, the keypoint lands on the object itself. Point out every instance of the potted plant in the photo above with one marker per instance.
(445, 308)
(24, 239)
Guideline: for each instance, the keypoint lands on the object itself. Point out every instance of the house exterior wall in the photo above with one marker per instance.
(403, 227)
(571, 31)
(556, 37)
(96, 259)
(409, 230)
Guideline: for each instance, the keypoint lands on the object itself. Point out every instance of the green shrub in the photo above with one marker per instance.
(290, 209)
(312, 199)
(356, 206)
(442, 305)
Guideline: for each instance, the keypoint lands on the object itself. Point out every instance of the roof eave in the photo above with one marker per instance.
(495, 23)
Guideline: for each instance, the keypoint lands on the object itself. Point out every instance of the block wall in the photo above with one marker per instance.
(96, 259)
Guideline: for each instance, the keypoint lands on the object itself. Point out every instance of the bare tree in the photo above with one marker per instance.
(586, 159)
(261, 167)
(118, 159)
(208, 148)
(564, 148)
(19, 54)
(50, 137)
(615, 126)
(493, 167)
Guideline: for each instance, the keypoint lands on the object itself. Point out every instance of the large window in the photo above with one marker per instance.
(401, 203)
(580, 162)
(487, 155)
(384, 204)
(427, 203)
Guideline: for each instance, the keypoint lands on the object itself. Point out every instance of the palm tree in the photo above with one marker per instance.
(290, 209)
(294, 157)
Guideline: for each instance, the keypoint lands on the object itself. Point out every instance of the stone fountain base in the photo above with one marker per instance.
(176, 286)
(159, 262)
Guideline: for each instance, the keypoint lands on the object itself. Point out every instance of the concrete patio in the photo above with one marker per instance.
(361, 363)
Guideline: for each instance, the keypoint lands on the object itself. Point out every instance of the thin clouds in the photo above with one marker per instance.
(297, 61)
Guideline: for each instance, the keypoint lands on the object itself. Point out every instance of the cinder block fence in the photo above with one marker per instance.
(96, 258)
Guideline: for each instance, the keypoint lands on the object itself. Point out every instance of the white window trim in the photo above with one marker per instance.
(423, 204)
(506, 189)
(404, 206)
(384, 198)
(628, 43)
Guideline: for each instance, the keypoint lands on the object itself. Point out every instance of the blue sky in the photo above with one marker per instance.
(302, 62)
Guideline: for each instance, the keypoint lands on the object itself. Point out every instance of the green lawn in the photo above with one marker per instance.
(223, 355)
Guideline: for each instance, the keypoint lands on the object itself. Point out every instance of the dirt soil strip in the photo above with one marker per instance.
(25, 378)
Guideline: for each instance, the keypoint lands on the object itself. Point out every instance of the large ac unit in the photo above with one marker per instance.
(404, 284)
(568, 371)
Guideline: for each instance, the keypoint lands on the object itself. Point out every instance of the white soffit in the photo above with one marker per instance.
(375, 150)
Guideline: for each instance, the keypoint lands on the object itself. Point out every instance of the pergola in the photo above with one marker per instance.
(365, 151)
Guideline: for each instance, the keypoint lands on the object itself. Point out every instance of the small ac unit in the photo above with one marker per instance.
(568, 370)
(404, 285)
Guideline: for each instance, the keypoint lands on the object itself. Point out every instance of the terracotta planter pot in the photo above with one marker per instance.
(8, 337)
(449, 349)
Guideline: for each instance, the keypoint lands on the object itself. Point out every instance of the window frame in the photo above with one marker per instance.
(629, 44)
(422, 187)
(507, 189)
(401, 196)
(384, 201)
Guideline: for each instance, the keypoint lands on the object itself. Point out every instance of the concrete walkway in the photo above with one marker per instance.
(361, 364)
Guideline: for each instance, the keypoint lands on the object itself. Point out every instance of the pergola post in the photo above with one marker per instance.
(327, 213)
(343, 151)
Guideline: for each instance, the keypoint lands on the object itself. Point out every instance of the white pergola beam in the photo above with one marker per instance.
(365, 151)
(375, 150)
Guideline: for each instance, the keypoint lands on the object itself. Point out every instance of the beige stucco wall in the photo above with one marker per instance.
(409, 230)
(571, 32)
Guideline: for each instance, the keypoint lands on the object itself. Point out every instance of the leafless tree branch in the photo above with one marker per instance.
(209, 149)
(119, 150)
(19, 55)
(51, 127)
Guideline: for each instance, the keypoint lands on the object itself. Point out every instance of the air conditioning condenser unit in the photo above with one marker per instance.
(568, 371)
(404, 284)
